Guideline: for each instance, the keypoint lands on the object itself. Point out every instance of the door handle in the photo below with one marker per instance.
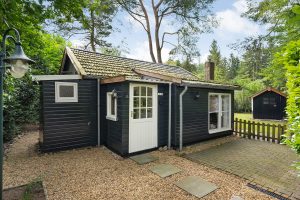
(131, 114)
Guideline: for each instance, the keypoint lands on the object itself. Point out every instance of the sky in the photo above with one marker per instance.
(232, 28)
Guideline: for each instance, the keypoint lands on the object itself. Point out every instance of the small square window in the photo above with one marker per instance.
(66, 92)
(111, 106)
(265, 100)
(272, 101)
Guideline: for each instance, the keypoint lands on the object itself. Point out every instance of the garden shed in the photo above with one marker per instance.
(129, 105)
(269, 104)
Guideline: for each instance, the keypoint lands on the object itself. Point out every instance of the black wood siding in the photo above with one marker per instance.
(195, 115)
(69, 125)
(163, 114)
(114, 134)
(268, 111)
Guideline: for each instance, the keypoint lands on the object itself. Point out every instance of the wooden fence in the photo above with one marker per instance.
(259, 131)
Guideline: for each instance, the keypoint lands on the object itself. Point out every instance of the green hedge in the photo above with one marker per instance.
(290, 57)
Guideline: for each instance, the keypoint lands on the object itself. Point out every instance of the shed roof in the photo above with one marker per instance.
(112, 68)
(269, 89)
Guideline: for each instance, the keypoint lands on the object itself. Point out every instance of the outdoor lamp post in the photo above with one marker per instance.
(19, 64)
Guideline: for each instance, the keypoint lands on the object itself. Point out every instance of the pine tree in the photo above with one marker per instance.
(215, 56)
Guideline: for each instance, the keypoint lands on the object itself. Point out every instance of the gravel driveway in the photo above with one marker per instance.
(97, 173)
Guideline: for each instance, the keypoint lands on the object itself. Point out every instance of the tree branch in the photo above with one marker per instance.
(163, 37)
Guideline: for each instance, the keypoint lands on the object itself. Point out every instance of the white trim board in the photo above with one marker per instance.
(55, 77)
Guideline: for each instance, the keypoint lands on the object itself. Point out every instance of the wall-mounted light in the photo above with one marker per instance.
(114, 93)
(197, 96)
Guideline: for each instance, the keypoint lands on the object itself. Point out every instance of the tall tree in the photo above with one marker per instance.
(90, 18)
(233, 66)
(188, 18)
(216, 57)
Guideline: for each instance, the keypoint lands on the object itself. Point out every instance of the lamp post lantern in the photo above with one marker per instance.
(19, 64)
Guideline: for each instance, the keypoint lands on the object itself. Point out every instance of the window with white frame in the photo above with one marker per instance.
(219, 113)
(66, 92)
(111, 106)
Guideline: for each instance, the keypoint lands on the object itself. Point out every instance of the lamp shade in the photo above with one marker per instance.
(19, 62)
(18, 55)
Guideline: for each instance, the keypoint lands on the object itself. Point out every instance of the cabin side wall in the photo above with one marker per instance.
(268, 111)
(69, 125)
(195, 115)
(115, 134)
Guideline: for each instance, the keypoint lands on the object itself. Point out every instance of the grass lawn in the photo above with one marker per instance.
(248, 116)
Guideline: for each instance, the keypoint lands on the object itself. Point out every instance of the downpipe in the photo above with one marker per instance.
(181, 117)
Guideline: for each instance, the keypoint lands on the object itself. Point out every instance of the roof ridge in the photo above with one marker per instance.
(122, 57)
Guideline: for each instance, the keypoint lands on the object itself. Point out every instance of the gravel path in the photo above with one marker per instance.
(97, 173)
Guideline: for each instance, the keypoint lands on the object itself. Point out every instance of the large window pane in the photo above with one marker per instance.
(225, 103)
(213, 120)
(214, 103)
(225, 120)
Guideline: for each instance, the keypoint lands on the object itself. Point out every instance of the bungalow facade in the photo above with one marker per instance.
(130, 106)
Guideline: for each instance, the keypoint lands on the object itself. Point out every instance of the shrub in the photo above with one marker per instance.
(290, 57)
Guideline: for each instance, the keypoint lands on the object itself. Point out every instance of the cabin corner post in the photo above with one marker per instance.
(170, 116)
(98, 111)
(181, 116)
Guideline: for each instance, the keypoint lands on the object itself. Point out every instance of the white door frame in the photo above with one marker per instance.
(151, 132)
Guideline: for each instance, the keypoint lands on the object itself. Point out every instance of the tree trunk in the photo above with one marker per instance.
(157, 26)
(148, 31)
(92, 32)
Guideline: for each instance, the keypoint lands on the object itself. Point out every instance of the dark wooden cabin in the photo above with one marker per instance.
(269, 104)
(129, 105)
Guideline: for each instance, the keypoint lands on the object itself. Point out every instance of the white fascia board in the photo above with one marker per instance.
(55, 77)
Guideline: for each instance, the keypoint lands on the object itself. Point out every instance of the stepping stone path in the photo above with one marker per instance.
(191, 184)
(164, 170)
(196, 186)
(143, 158)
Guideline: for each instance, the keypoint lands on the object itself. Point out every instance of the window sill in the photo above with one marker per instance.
(218, 130)
(112, 118)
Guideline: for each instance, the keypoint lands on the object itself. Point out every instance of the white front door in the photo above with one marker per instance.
(142, 117)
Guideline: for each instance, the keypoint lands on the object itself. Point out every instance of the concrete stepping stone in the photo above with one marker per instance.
(164, 170)
(236, 198)
(143, 158)
(196, 186)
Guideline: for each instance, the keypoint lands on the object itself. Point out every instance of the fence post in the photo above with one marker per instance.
(258, 131)
(235, 126)
(268, 132)
(244, 132)
(249, 130)
(240, 127)
(273, 132)
(280, 128)
(263, 131)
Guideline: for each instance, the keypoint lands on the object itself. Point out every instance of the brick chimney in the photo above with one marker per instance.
(209, 70)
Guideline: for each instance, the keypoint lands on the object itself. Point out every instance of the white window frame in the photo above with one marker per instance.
(59, 99)
(109, 115)
(219, 129)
